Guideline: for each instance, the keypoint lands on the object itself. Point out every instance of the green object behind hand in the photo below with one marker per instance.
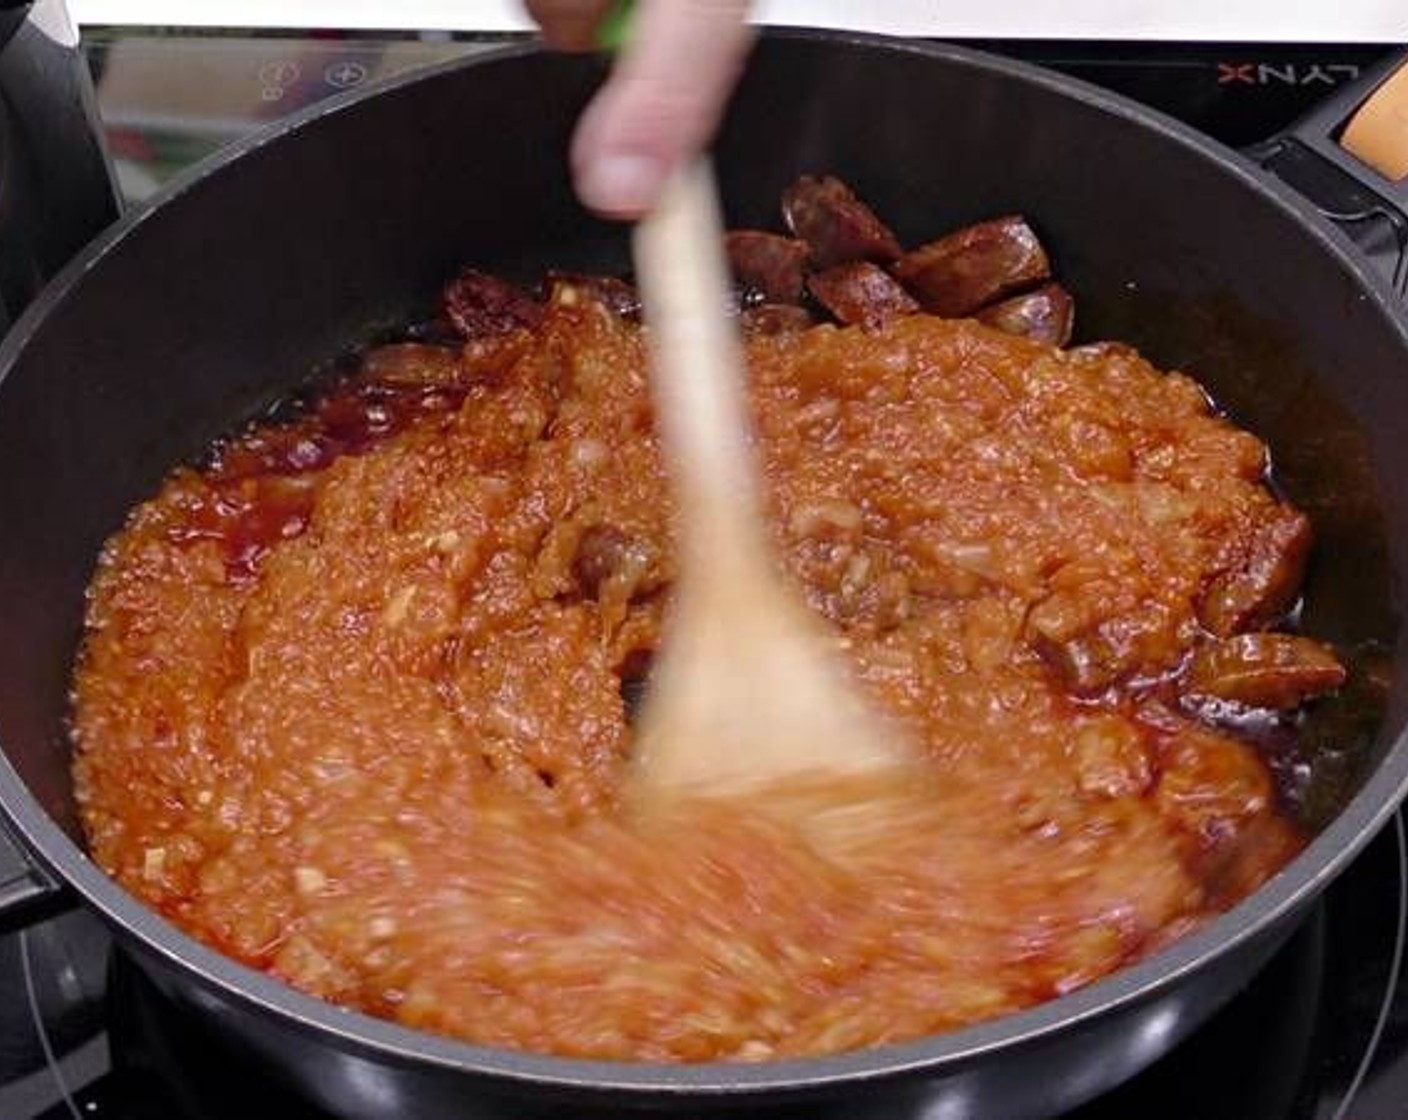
(615, 29)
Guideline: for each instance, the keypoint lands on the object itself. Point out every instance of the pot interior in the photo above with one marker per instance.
(211, 306)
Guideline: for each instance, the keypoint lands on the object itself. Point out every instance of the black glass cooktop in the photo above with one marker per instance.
(1320, 1034)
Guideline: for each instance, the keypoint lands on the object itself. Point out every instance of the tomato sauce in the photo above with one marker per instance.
(351, 701)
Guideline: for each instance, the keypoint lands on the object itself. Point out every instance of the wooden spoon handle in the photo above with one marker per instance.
(697, 366)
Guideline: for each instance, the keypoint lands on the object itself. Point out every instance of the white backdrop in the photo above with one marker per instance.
(1245, 20)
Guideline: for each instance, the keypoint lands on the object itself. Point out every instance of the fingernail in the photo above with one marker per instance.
(621, 184)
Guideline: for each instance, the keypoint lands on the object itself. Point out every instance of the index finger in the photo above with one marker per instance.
(664, 98)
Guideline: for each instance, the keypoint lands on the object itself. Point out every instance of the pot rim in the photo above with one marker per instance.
(1279, 899)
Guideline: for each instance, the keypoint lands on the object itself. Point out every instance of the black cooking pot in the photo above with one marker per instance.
(199, 310)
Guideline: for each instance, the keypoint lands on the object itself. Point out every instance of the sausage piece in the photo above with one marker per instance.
(1084, 663)
(767, 265)
(835, 224)
(480, 305)
(1070, 632)
(614, 294)
(1279, 671)
(861, 293)
(1045, 315)
(775, 318)
(606, 554)
(1211, 785)
(1266, 583)
(962, 272)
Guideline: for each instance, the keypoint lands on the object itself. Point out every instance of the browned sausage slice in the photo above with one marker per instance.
(1266, 584)
(1045, 315)
(1085, 663)
(861, 293)
(836, 225)
(958, 274)
(767, 264)
(1279, 671)
(605, 553)
(775, 318)
(1210, 784)
(616, 295)
(480, 305)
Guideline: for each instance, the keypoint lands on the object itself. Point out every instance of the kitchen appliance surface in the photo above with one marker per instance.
(55, 190)
(107, 1041)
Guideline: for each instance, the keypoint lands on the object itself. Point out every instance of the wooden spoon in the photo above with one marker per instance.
(748, 690)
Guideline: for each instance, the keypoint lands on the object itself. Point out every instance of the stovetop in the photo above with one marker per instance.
(1320, 1034)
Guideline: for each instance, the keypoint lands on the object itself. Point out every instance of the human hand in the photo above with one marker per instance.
(663, 100)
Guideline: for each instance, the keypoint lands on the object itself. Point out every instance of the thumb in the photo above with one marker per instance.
(662, 102)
